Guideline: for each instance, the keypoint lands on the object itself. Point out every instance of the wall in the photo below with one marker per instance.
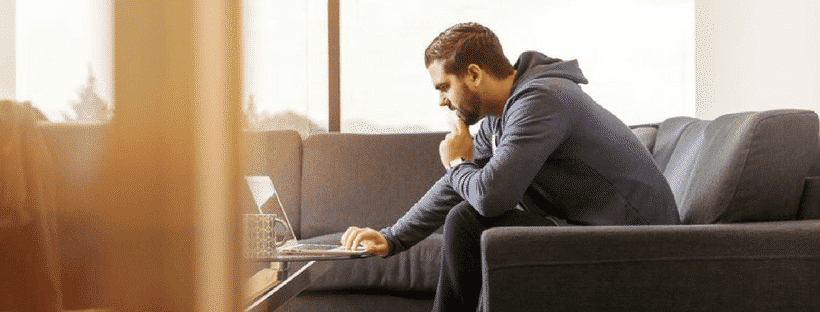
(756, 55)
(7, 52)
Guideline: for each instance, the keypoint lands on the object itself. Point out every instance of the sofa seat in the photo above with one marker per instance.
(415, 270)
(769, 266)
(403, 282)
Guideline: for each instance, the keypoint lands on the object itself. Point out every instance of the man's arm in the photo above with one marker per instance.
(533, 128)
(426, 216)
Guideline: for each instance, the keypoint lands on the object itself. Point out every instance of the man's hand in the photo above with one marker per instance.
(457, 144)
(372, 240)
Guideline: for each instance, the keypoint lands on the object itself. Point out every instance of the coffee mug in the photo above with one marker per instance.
(263, 233)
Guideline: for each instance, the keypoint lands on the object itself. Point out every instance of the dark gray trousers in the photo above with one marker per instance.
(459, 284)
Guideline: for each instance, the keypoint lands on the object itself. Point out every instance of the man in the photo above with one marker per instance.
(546, 154)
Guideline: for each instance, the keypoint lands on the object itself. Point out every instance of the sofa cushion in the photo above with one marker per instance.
(365, 180)
(760, 266)
(667, 137)
(78, 150)
(416, 269)
(277, 154)
(361, 300)
(676, 153)
(810, 202)
(29, 252)
(646, 133)
(739, 167)
(815, 170)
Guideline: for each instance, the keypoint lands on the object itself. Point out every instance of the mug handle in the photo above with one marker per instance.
(277, 243)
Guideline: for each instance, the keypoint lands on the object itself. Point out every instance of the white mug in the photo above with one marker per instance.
(263, 233)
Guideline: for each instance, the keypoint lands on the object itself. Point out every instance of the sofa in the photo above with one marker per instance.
(747, 192)
(747, 186)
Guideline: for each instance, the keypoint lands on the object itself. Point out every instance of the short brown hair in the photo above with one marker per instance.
(468, 43)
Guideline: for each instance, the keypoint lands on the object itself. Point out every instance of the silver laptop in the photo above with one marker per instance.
(265, 195)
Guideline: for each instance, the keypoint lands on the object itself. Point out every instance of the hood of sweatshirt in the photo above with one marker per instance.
(532, 65)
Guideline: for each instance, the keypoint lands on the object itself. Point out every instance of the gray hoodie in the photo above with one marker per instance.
(553, 151)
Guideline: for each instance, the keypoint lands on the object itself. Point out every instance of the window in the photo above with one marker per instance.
(637, 54)
(64, 58)
(286, 65)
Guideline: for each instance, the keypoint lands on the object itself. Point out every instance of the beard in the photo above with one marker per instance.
(468, 110)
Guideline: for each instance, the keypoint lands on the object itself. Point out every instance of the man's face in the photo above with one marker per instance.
(454, 94)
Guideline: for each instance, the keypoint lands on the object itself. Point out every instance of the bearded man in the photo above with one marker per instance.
(545, 155)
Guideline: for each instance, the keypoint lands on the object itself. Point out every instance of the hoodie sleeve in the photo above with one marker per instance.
(429, 213)
(424, 218)
(533, 126)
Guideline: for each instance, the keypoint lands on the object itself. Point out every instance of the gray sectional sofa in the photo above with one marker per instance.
(750, 239)
(747, 186)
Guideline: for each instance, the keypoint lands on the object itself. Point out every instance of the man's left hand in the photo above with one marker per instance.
(457, 144)
(372, 240)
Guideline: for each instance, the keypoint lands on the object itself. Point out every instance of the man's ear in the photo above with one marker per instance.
(474, 75)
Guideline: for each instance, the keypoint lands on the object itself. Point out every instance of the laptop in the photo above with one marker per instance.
(265, 195)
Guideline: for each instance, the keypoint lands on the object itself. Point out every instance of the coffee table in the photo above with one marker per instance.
(269, 293)
(271, 288)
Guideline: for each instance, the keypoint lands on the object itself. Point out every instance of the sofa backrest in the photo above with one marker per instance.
(739, 167)
(815, 169)
(277, 154)
(77, 149)
(810, 203)
(647, 134)
(365, 180)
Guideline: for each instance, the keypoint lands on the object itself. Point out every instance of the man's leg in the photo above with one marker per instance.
(459, 284)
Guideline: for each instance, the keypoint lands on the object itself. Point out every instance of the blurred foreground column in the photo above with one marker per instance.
(172, 157)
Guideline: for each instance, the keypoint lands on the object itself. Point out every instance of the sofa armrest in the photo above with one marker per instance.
(810, 201)
(769, 266)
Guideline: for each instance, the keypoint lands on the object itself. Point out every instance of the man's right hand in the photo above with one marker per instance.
(456, 144)
(372, 240)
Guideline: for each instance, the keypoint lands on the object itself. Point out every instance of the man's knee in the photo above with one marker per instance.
(461, 213)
